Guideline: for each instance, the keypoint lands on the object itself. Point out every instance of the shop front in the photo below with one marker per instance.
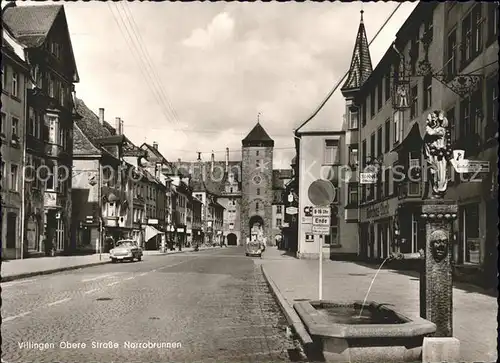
(377, 235)
(181, 235)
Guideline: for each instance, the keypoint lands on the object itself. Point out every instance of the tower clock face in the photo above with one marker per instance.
(257, 179)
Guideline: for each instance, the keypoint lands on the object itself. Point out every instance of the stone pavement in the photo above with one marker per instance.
(17, 269)
(475, 312)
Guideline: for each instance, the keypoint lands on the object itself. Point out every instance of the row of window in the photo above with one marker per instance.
(14, 127)
(331, 152)
(472, 37)
(10, 176)
(10, 81)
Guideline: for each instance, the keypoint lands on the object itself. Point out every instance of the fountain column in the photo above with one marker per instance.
(436, 303)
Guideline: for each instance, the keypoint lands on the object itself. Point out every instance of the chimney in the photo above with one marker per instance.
(155, 145)
(212, 162)
(118, 124)
(101, 116)
(227, 159)
(121, 127)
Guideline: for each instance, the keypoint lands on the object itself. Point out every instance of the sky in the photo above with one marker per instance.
(194, 76)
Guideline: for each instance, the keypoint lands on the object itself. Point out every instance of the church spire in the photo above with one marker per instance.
(361, 63)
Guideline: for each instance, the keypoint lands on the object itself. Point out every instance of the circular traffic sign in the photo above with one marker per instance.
(321, 192)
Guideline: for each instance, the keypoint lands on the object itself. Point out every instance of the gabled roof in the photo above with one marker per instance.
(31, 25)
(257, 137)
(361, 62)
(87, 130)
(32, 22)
(155, 152)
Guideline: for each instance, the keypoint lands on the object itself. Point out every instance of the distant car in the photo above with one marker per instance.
(254, 248)
(125, 250)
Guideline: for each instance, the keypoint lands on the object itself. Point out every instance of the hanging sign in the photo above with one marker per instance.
(367, 178)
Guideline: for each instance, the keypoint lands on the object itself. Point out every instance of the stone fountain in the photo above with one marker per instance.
(344, 334)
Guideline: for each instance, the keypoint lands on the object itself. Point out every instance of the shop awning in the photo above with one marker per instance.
(412, 142)
(151, 232)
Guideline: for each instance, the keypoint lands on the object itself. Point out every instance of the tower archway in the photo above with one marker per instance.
(256, 227)
(232, 240)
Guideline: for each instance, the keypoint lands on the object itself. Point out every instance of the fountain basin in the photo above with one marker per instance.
(380, 334)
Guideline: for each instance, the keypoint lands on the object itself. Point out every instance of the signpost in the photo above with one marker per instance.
(322, 194)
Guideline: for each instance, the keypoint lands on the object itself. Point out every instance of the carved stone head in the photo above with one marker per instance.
(439, 245)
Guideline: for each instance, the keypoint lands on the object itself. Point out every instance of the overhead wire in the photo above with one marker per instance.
(337, 85)
(136, 51)
(135, 29)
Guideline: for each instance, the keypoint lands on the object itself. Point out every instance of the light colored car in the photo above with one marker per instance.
(125, 250)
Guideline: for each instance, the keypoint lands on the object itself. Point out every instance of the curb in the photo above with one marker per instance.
(291, 316)
(68, 268)
(51, 271)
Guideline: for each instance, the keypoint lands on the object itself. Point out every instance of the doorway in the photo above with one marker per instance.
(232, 240)
(11, 230)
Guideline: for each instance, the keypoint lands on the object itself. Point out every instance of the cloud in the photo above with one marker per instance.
(219, 64)
(218, 31)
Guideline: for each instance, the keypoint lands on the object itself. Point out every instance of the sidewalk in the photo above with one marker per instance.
(19, 269)
(475, 313)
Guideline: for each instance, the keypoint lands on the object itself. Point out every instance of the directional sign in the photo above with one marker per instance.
(291, 210)
(322, 212)
(321, 221)
(470, 166)
(321, 230)
(367, 178)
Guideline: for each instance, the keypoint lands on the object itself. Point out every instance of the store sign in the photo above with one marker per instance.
(291, 210)
(180, 230)
(152, 221)
(377, 210)
(470, 166)
(367, 178)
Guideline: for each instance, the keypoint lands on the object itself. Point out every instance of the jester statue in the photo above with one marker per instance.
(437, 151)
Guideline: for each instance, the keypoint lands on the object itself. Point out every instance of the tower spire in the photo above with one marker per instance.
(258, 118)
(361, 63)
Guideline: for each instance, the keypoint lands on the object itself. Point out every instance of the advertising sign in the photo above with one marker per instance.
(291, 210)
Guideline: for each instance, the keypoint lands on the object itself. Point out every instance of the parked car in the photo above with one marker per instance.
(125, 250)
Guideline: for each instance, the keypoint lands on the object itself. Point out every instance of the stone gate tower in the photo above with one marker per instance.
(257, 183)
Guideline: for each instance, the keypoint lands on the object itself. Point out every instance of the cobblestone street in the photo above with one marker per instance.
(214, 304)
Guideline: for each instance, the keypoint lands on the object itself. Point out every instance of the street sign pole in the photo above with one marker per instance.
(322, 194)
(320, 282)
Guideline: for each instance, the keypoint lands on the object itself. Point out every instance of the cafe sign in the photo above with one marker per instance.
(377, 210)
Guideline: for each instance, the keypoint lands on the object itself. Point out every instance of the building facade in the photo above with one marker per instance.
(445, 57)
(15, 80)
(43, 33)
(103, 186)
